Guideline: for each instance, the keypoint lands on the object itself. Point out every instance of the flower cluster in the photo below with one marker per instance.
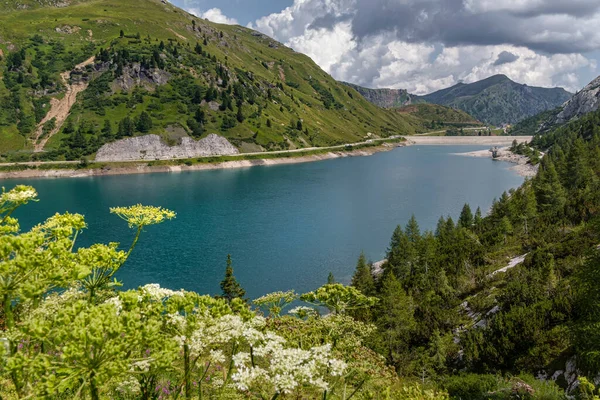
(276, 301)
(338, 298)
(19, 195)
(287, 368)
(139, 215)
(155, 292)
(303, 312)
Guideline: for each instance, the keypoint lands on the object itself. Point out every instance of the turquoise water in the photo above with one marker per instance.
(285, 226)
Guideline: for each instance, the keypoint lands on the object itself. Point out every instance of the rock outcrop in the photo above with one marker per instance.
(386, 98)
(585, 101)
(151, 147)
(136, 75)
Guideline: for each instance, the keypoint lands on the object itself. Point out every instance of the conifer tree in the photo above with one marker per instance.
(363, 278)
(478, 219)
(240, 114)
(330, 278)
(107, 130)
(466, 217)
(229, 285)
(550, 193)
(200, 116)
(144, 122)
(396, 318)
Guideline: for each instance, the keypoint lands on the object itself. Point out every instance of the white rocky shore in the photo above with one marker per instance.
(151, 147)
(522, 167)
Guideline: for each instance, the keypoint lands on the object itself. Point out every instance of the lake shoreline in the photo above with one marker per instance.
(145, 168)
(522, 167)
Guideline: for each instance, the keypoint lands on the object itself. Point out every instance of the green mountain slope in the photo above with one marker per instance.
(160, 70)
(435, 116)
(432, 116)
(498, 100)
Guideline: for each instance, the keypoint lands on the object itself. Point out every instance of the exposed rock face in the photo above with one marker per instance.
(584, 102)
(135, 75)
(386, 98)
(151, 147)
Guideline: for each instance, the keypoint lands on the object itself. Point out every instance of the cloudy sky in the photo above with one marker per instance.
(426, 45)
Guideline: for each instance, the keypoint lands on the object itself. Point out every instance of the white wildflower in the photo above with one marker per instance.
(19, 195)
(180, 339)
(303, 311)
(142, 365)
(130, 386)
(337, 367)
(116, 301)
(244, 378)
(241, 359)
(285, 383)
(217, 356)
(157, 293)
(177, 320)
(218, 382)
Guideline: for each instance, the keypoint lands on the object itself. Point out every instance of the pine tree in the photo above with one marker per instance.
(330, 278)
(550, 194)
(529, 211)
(107, 129)
(200, 116)
(69, 127)
(144, 122)
(126, 127)
(78, 141)
(505, 227)
(229, 285)
(363, 278)
(466, 217)
(197, 95)
(240, 114)
(478, 219)
(412, 230)
(396, 318)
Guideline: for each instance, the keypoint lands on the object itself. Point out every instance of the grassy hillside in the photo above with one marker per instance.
(160, 70)
(498, 100)
(435, 116)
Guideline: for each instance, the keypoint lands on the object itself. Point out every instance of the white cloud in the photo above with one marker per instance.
(213, 15)
(394, 57)
(326, 47)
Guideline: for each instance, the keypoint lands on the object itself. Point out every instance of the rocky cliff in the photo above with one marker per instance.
(386, 98)
(585, 101)
(151, 147)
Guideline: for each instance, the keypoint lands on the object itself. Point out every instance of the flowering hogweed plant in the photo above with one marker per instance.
(66, 332)
(275, 302)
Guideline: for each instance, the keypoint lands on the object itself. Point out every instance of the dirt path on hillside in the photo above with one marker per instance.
(178, 35)
(60, 109)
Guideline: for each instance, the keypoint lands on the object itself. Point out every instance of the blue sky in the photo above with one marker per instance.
(425, 46)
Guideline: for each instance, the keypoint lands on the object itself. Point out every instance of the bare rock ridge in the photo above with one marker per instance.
(586, 101)
(151, 147)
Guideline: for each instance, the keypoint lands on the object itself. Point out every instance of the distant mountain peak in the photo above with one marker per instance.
(498, 99)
